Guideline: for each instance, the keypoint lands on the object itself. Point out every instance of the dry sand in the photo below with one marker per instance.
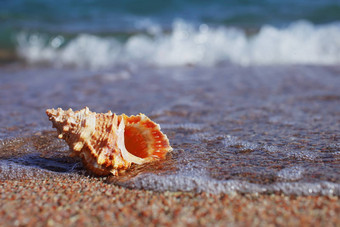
(68, 200)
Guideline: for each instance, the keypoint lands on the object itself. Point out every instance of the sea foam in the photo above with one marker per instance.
(203, 183)
(299, 43)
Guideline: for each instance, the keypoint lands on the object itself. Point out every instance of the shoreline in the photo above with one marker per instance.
(255, 124)
(72, 201)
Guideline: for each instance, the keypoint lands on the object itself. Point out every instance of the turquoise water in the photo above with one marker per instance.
(261, 32)
(109, 16)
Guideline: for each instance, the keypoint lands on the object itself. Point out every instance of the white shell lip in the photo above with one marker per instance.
(121, 145)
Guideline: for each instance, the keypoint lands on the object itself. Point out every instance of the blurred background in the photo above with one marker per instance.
(103, 33)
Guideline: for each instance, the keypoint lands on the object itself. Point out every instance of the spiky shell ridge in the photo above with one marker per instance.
(108, 143)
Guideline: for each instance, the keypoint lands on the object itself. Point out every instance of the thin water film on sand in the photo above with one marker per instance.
(256, 129)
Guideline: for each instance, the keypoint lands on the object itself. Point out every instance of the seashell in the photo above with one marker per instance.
(109, 143)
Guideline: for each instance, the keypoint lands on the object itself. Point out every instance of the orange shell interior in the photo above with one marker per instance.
(135, 142)
(142, 144)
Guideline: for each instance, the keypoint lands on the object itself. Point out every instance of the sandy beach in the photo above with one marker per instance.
(247, 93)
(88, 201)
(42, 186)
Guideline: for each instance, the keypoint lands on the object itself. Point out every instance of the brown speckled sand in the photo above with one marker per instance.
(292, 108)
(86, 201)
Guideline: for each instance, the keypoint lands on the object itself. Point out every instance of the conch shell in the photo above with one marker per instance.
(109, 143)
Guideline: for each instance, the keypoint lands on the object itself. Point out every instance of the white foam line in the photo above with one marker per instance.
(291, 173)
(205, 184)
(299, 43)
(186, 126)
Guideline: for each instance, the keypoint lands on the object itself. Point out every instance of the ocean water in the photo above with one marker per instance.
(247, 92)
(99, 34)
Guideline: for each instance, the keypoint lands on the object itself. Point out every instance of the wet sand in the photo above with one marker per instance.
(272, 118)
(87, 201)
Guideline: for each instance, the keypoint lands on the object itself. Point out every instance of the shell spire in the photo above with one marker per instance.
(109, 143)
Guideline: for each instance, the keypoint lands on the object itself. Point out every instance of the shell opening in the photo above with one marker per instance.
(121, 145)
(135, 142)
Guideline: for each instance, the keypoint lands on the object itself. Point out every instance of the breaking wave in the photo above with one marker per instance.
(299, 43)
